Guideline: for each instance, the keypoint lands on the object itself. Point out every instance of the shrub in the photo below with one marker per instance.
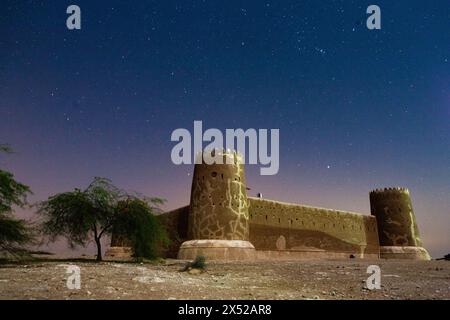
(137, 223)
(198, 263)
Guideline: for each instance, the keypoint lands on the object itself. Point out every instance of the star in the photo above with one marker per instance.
(320, 50)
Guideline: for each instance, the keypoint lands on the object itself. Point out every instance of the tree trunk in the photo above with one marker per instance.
(99, 249)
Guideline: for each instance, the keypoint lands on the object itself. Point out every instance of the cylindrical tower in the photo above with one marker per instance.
(219, 205)
(218, 213)
(397, 228)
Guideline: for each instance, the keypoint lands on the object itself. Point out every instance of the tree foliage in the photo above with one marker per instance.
(5, 148)
(84, 215)
(11, 192)
(14, 233)
(136, 221)
(81, 216)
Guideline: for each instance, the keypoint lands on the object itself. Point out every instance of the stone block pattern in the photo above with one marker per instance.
(395, 216)
(219, 204)
(291, 227)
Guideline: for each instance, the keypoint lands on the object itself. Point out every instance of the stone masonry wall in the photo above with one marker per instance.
(176, 224)
(283, 226)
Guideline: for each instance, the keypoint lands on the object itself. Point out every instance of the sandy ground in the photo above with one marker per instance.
(237, 280)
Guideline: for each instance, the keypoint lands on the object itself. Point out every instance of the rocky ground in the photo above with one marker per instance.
(237, 280)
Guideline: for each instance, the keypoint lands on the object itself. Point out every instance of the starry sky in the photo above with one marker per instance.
(357, 109)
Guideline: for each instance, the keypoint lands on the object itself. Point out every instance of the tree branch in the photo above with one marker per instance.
(95, 231)
(104, 230)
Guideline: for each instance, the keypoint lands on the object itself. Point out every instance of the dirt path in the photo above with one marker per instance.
(238, 280)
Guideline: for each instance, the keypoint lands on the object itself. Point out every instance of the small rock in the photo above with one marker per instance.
(195, 271)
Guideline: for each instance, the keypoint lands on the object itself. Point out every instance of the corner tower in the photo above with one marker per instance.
(397, 228)
(218, 223)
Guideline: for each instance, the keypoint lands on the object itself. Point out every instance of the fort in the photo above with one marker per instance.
(222, 222)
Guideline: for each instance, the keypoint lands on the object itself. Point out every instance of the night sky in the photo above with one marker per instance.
(357, 109)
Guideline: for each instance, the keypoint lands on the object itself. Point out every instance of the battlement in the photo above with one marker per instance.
(256, 202)
(230, 157)
(392, 190)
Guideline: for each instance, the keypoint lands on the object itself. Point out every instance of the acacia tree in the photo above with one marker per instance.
(14, 233)
(82, 216)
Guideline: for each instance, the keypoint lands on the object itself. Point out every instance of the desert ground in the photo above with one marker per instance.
(232, 280)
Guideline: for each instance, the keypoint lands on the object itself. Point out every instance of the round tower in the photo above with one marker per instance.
(218, 225)
(397, 228)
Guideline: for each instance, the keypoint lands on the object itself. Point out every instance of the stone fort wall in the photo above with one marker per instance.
(292, 230)
(284, 231)
(221, 221)
(175, 223)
